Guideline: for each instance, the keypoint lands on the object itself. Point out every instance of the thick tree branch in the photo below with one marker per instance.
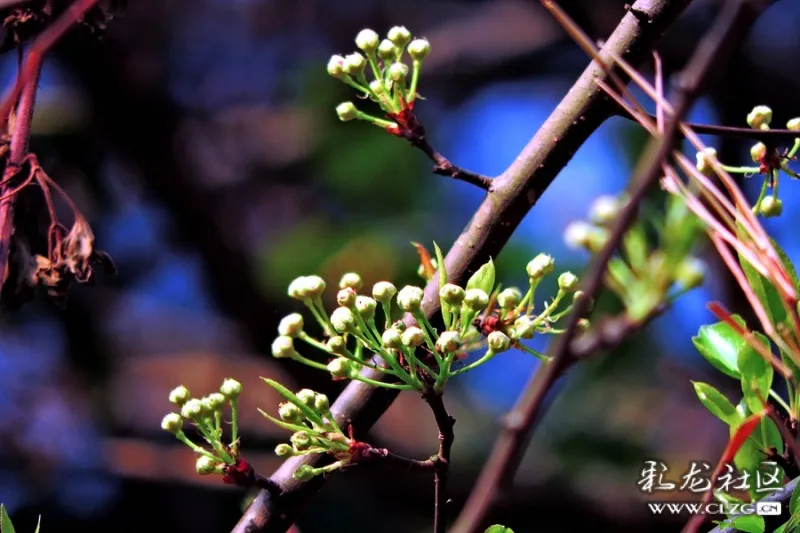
(735, 19)
(515, 192)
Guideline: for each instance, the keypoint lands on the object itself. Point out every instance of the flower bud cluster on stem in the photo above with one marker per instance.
(771, 162)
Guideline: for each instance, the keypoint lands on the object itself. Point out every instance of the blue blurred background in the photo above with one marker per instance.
(201, 143)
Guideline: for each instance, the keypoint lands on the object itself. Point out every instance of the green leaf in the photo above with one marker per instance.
(483, 278)
(38, 524)
(756, 374)
(309, 413)
(794, 501)
(749, 523)
(716, 403)
(787, 264)
(5, 521)
(719, 344)
(767, 294)
(498, 529)
(727, 498)
(791, 525)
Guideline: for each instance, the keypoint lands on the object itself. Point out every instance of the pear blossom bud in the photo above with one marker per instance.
(419, 49)
(351, 280)
(568, 282)
(230, 388)
(336, 345)
(704, 163)
(346, 297)
(448, 341)
(336, 67)
(386, 49)
(498, 341)
(691, 273)
(283, 347)
(179, 396)
(347, 111)
(452, 294)
(367, 40)
(509, 298)
(758, 152)
(760, 117)
(341, 368)
(399, 36)
(291, 325)
(192, 410)
(410, 298)
(284, 450)
(377, 87)
(398, 72)
(413, 337)
(476, 299)
(172, 423)
(354, 64)
(301, 440)
(771, 207)
(205, 465)
(793, 124)
(524, 328)
(321, 403)
(315, 286)
(216, 401)
(383, 291)
(366, 307)
(540, 266)
(289, 412)
(343, 320)
(392, 338)
(307, 396)
(604, 210)
(304, 473)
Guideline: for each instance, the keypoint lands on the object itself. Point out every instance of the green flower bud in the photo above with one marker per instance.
(205, 465)
(498, 341)
(172, 423)
(448, 342)
(351, 280)
(208, 405)
(419, 49)
(540, 266)
(392, 338)
(399, 35)
(321, 403)
(307, 396)
(568, 282)
(367, 40)
(793, 124)
(301, 440)
(283, 347)
(399, 325)
(583, 235)
(297, 288)
(306, 287)
(343, 320)
(377, 87)
(304, 473)
(284, 450)
(336, 67)
(451, 294)
(347, 111)
(386, 50)
(341, 368)
(289, 412)
(771, 207)
(315, 286)
(760, 117)
(758, 152)
(524, 328)
(509, 298)
(383, 291)
(346, 297)
(704, 161)
(354, 64)
(605, 210)
(179, 396)
(476, 299)
(413, 337)
(410, 298)
(398, 72)
(691, 273)
(230, 388)
(337, 345)
(291, 325)
(366, 307)
(216, 401)
(192, 410)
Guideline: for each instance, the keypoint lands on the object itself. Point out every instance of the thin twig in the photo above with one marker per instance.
(444, 167)
(444, 422)
(383, 457)
(27, 78)
(712, 51)
(583, 110)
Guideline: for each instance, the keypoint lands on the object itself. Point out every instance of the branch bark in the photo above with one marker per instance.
(735, 19)
(515, 191)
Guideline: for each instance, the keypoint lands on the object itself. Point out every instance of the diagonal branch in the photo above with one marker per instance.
(735, 18)
(515, 192)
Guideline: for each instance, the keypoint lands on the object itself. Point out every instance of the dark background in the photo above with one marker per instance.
(200, 141)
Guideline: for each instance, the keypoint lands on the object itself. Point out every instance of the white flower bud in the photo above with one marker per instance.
(568, 282)
(284, 450)
(336, 345)
(452, 294)
(367, 40)
(343, 320)
(301, 440)
(216, 401)
(410, 298)
(366, 307)
(448, 342)
(399, 35)
(205, 465)
(291, 325)
(289, 412)
(192, 410)
(283, 347)
(336, 67)
(340, 368)
(307, 396)
(793, 124)
(354, 64)
(386, 49)
(398, 72)
(172, 423)
(179, 396)
(230, 388)
(346, 297)
(347, 111)
(758, 152)
(703, 161)
(540, 266)
(377, 87)
(760, 117)
(419, 49)
(297, 288)
(509, 298)
(351, 280)
(524, 328)
(498, 341)
(604, 210)
(383, 291)
(771, 207)
(392, 338)
(476, 299)
(413, 337)
(321, 403)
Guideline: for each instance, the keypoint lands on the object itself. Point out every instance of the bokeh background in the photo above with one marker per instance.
(200, 140)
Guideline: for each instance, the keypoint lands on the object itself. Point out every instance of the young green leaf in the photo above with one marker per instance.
(716, 403)
(498, 529)
(748, 523)
(5, 521)
(767, 294)
(756, 373)
(787, 264)
(794, 501)
(791, 525)
(483, 278)
(38, 524)
(719, 344)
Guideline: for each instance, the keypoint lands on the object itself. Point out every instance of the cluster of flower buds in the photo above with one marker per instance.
(206, 414)
(419, 356)
(392, 86)
(770, 162)
(307, 415)
(643, 276)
